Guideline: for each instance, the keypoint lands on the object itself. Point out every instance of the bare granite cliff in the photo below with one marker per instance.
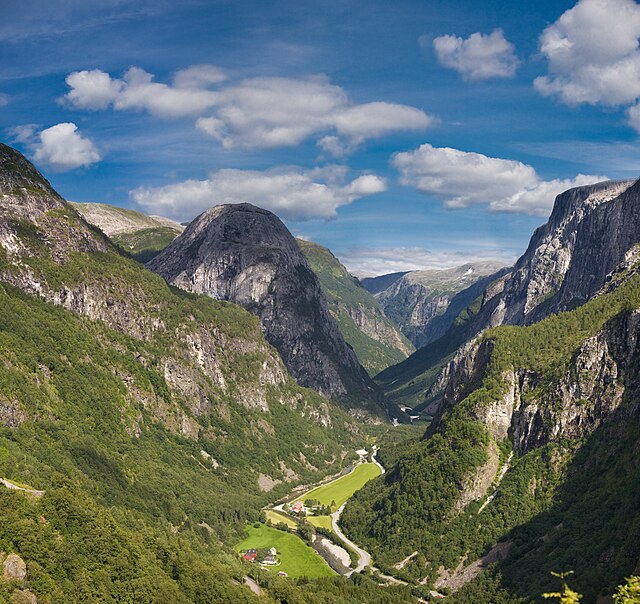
(246, 255)
(211, 358)
(589, 231)
(425, 303)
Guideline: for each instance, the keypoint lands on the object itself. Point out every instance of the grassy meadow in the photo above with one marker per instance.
(297, 558)
(340, 490)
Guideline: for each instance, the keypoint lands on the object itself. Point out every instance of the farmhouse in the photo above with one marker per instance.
(250, 555)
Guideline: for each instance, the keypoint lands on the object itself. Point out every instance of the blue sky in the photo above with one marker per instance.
(404, 135)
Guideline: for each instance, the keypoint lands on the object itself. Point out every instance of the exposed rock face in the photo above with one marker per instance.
(11, 412)
(587, 235)
(602, 371)
(246, 255)
(376, 326)
(425, 303)
(15, 568)
(139, 235)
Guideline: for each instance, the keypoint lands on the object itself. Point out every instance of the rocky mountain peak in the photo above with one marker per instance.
(17, 172)
(246, 255)
(557, 270)
(26, 194)
(34, 219)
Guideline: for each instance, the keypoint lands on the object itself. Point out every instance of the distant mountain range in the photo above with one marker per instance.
(425, 303)
(140, 235)
(530, 465)
(146, 418)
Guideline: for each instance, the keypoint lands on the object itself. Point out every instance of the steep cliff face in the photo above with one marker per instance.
(591, 231)
(420, 301)
(246, 255)
(362, 322)
(585, 238)
(519, 408)
(533, 411)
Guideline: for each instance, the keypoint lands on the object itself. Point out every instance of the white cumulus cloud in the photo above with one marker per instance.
(462, 178)
(199, 76)
(593, 55)
(137, 90)
(478, 57)
(92, 90)
(368, 262)
(263, 112)
(61, 147)
(292, 193)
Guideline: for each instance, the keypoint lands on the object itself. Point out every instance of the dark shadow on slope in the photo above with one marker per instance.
(593, 528)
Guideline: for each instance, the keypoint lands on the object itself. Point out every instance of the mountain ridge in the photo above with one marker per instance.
(419, 301)
(374, 338)
(533, 289)
(245, 254)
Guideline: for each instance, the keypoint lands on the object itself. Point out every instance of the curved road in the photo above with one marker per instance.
(15, 487)
(364, 557)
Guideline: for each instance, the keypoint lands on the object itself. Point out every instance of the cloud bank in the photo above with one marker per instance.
(291, 193)
(262, 113)
(594, 57)
(369, 262)
(462, 179)
(478, 57)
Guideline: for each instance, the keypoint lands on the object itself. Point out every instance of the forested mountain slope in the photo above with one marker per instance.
(156, 422)
(536, 448)
(246, 255)
(362, 322)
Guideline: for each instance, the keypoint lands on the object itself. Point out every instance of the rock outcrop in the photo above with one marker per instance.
(246, 255)
(586, 237)
(425, 303)
(14, 568)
